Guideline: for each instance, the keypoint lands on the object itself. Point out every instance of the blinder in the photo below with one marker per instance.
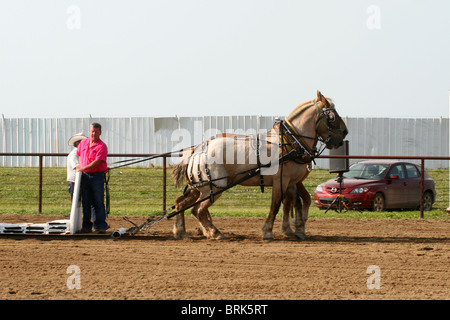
(332, 122)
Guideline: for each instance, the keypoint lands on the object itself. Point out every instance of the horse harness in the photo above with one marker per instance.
(292, 144)
(294, 148)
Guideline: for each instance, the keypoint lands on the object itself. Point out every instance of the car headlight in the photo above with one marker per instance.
(319, 188)
(360, 190)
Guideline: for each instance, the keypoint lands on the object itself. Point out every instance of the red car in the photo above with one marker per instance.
(378, 185)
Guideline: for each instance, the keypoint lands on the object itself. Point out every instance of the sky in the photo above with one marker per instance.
(166, 58)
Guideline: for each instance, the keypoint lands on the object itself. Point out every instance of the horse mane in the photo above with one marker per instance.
(304, 106)
(297, 112)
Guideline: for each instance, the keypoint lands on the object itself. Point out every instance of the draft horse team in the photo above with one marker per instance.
(282, 156)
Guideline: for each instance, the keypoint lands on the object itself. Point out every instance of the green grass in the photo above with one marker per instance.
(138, 191)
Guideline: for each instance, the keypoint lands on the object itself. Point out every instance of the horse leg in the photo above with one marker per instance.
(187, 199)
(205, 224)
(274, 207)
(179, 228)
(205, 220)
(289, 202)
(201, 230)
(302, 211)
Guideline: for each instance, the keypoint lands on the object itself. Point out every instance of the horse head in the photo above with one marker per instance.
(329, 126)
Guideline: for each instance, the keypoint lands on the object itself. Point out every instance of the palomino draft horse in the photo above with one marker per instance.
(295, 140)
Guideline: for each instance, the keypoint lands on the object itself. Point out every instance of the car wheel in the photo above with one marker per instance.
(378, 202)
(427, 201)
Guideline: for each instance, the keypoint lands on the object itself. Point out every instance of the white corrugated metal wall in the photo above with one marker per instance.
(367, 136)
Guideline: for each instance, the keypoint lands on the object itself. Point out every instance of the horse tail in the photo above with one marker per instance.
(179, 171)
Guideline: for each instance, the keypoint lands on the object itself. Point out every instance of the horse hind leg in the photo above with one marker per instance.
(267, 228)
(179, 227)
(302, 212)
(291, 204)
(205, 220)
(299, 222)
(184, 201)
(200, 230)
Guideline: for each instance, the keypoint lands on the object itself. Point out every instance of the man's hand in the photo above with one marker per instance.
(91, 165)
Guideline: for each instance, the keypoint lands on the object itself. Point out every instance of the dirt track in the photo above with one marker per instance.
(413, 257)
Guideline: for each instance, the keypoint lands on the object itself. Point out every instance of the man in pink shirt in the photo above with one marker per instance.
(93, 153)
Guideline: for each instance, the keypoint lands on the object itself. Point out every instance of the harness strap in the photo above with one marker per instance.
(294, 141)
(281, 165)
(211, 184)
(299, 136)
(261, 177)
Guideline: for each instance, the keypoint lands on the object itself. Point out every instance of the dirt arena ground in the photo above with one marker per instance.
(412, 256)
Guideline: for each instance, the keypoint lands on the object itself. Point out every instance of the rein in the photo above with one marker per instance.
(129, 162)
(124, 163)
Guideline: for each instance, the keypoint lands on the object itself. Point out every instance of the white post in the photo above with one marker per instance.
(75, 213)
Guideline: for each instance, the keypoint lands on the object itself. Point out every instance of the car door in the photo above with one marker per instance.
(412, 185)
(396, 193)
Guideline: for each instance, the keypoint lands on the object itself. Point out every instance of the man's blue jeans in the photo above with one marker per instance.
(93, 200)
(70, 187)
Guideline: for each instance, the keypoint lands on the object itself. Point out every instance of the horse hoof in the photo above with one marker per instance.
(181, 236)
(300, 236)
(221, 237)
(268, 237)
(290, 235)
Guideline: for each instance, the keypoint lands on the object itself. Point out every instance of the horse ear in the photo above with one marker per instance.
(323, 99)
(319, 95)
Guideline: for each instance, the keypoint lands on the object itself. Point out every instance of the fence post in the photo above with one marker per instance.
(41, 157)
(164, 181)
(422, 185)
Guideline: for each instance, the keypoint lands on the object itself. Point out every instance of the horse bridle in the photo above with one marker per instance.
(332, 117)
(298, 138)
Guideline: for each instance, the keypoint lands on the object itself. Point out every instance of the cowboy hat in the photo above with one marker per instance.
(76, 137)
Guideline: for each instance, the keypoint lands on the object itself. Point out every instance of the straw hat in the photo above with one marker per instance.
(76, 137)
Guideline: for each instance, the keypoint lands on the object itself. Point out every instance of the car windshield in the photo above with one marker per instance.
(367, 171)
